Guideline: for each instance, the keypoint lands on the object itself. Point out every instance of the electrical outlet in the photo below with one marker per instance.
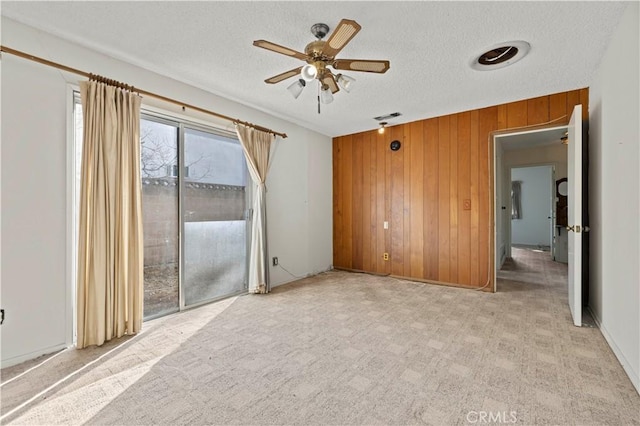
(274, 260)
(385, 256)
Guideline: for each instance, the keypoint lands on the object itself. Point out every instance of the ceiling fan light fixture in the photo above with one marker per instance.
(297, 87)
(345, 82)
(309, 72)
(326, 97)
(319, 55)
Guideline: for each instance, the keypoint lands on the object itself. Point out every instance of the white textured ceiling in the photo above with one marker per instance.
(429, 44)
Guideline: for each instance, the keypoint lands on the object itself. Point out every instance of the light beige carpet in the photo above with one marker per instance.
(344, 348)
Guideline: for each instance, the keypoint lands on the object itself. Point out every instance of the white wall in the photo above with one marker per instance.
(534, 226)
(34, 236)
(36, 273)
(614, 204)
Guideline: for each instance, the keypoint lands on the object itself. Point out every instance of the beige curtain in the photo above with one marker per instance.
(110, 262)
(257, 146)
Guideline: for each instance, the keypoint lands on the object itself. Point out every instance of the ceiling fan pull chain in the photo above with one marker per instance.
(318, 98)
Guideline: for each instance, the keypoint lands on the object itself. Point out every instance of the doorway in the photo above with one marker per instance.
(570, 189)
(540, 152)
(532, 208)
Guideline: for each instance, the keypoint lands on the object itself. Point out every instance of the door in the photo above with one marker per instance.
(161, 223)
(574, 201)
(214, 217)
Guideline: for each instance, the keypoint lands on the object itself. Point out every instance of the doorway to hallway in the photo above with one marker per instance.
(532, 208)
(534, 148)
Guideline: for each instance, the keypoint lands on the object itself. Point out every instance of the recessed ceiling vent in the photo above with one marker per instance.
(501, 55)
(388, 116)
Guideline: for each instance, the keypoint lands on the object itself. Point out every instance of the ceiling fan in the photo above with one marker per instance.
(319, 56)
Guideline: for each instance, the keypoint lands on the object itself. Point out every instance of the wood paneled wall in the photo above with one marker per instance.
(436, 192)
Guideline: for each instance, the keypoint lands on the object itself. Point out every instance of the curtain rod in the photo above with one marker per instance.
(134, 89)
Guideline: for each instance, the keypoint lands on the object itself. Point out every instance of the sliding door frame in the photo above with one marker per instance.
(182, 123)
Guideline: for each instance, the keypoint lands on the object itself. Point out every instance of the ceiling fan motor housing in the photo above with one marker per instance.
(314, 50)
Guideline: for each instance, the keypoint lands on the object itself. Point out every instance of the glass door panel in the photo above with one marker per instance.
(214, 205)
(159, 163)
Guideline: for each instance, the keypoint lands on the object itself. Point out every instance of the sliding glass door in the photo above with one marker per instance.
(214, 210)
(194, 199)
(194, 207)
(159, 163)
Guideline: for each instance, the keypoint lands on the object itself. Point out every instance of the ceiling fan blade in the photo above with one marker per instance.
(279, 49)
(285, 75)
(330, 81)
(344, 32)
(364, 65)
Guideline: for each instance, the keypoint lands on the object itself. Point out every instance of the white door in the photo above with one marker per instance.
(574, 204)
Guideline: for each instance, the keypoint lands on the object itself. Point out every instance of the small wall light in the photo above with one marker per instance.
(382, 127)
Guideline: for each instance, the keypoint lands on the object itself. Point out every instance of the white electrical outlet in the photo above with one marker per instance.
(386, 225)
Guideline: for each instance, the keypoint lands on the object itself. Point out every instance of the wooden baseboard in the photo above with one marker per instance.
(487, 289)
